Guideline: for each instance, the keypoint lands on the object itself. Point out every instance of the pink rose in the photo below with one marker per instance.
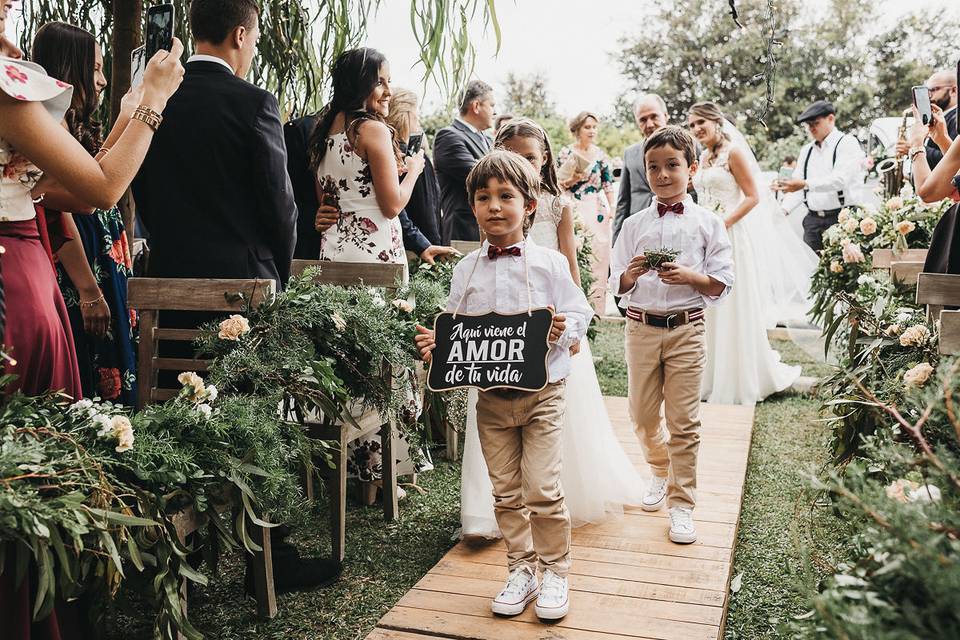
(852, 253)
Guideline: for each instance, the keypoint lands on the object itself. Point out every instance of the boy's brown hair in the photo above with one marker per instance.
(675, 137)
(506, 166)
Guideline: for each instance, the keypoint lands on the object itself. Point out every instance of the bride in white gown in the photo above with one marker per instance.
(597, 477)
(773, 268)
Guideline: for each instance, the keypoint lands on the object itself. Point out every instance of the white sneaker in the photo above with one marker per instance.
(552, 603)
(682, 530)
(656, 494)
(521, 588)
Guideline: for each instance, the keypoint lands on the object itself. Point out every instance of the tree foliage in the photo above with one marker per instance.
(688, 53)
(299, 40)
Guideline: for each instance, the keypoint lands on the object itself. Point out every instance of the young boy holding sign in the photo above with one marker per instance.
(520, 431)
(664, 342)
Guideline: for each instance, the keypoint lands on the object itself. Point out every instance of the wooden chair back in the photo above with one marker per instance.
(883, 258)
(349, 274)
(937, 290)
(150, 296)
(906, 272)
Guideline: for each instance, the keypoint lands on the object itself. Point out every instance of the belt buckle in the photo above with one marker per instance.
(670, 319)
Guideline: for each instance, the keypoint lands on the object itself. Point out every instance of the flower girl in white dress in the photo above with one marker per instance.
(597, 477)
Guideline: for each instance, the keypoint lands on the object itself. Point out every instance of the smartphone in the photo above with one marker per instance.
(786, 173)
(159, 29)
(138, 65)
(414, 144)
(921, 100)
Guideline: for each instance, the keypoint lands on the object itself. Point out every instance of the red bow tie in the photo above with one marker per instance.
(676, 207)
(494, 251)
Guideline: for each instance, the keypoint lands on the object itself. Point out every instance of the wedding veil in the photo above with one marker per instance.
(783, 262)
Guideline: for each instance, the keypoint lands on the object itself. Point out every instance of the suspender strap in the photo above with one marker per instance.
(833, 164)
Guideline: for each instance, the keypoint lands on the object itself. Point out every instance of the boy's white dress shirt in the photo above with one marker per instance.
(699, 235)
(500, 285)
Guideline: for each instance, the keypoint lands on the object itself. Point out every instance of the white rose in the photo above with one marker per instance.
(850, 225)
(925, 493)
(123, 431)
(918, 375)
(106, 425)
(915, 336)
(852, 253)
(233, 327)
(843, 216)
(205, 409)
(211, 393)
(338, 321)
(865, 279)
(907, 190)
(868, 226)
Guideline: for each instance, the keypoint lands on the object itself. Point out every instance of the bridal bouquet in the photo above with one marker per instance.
(655, 258)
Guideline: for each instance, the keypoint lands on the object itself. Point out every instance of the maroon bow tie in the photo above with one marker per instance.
(676, 207)
(494, 251)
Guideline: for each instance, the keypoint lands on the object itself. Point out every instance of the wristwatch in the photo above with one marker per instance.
(914, 151)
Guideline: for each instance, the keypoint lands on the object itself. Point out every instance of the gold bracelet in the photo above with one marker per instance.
(91, 303)
(916, 152)
(148, 116)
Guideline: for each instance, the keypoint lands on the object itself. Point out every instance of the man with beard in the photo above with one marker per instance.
(942, 86)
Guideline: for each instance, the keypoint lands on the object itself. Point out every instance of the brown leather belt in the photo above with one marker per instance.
(670, 321)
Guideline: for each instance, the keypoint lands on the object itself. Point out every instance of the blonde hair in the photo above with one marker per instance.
(710, 111)
(403, 105)
(511, 168)
(581, 119)
(527, 128)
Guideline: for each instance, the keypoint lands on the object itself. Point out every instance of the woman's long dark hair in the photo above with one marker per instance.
(354, 77)
(68, 53)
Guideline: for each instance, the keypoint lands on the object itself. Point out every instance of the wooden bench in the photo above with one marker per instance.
(937, 290)
(903, 267)
(340, 429)
(150, 296)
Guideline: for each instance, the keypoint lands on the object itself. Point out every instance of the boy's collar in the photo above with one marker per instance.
(687, 201)
(528, 240)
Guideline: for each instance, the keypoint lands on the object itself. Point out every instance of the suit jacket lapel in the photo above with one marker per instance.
(472, 138)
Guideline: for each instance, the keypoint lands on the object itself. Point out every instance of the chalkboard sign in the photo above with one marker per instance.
(491, 351)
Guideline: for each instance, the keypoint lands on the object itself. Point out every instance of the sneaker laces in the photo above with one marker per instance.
(656, 485)
(552, 585)
(516, 583)
(681, 519)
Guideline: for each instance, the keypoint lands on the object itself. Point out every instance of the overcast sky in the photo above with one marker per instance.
(570, 41)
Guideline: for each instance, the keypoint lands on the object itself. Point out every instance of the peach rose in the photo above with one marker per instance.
(918, 375)
(852, 253)
(850, 225)
(915, 336)
(403, 305)
(892, 330)
(868, 226)
(843, 216)
(905, 226)
(836, 267)
(233, 327)
(896, 202)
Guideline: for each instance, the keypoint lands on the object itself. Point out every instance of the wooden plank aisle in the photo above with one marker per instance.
(627, 582)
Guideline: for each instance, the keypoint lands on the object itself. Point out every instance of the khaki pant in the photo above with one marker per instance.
(520, 434)
(666, 365)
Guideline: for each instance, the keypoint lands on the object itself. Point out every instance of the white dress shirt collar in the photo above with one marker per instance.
(202, 57)
(469, 126)
(830, 141)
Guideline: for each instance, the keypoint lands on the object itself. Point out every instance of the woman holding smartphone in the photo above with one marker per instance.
(358, 164)
(33, 144)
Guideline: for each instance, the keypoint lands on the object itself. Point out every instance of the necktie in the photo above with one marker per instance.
(676, 207)
(493, 252)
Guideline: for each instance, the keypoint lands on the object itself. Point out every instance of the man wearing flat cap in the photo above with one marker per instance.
(829, 169)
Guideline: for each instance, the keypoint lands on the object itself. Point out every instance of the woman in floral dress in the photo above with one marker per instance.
(358, 167)
(593, 197)
(105, 351)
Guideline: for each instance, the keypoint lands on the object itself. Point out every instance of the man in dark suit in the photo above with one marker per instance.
(215, 195)
(455, 150)
(650, 112)
(213, 191)
(942, 86)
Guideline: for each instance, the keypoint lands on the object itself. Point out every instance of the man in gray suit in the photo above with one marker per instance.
(650, 112)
